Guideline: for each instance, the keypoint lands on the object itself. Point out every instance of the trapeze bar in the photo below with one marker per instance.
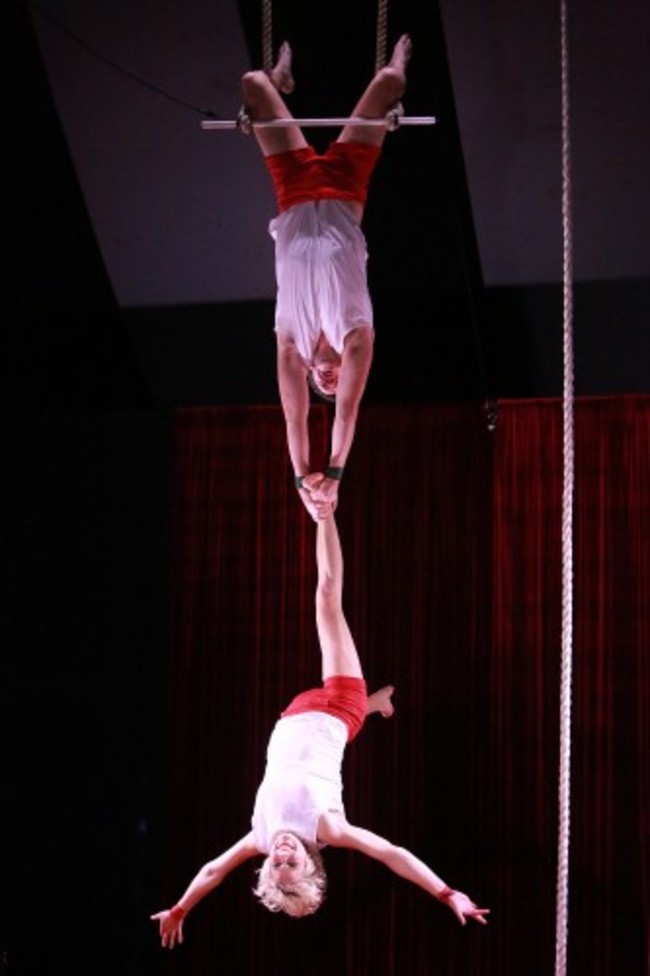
(398, 121)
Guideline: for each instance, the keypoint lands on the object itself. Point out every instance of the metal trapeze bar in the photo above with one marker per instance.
(285, 123)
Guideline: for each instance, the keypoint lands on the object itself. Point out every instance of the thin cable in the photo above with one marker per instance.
(567, 525)
(116, 67)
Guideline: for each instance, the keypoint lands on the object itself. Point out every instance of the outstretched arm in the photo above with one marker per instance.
(353, 377)
(335, 830)
(210, 876)
(294, 397)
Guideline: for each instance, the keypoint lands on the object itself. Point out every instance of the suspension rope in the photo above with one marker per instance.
(567, 523)
(393, 120)
(380, 48)
(267, 36)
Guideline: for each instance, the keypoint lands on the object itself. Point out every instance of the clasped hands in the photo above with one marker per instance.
(319, 495)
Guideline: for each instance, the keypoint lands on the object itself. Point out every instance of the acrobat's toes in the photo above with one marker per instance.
(386, 707)
(282, 76)
(401, 53)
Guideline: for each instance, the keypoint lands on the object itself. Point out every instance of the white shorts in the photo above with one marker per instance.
(321, 272)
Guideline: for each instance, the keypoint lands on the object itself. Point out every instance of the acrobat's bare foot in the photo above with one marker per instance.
(380, 701)
(401, 54)
(281, 75)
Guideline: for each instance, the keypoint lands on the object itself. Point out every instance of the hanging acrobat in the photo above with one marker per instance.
(323, 312)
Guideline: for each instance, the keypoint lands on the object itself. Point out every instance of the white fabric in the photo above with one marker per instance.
(302, 779)
(321, 272)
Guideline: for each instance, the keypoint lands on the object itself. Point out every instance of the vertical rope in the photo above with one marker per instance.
(567, 524)
(380, 50)
(267, 36)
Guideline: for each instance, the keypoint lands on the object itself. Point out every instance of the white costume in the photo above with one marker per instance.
(321, 271)
(302, 779)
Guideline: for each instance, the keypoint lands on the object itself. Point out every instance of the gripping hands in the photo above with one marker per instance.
(319, 493)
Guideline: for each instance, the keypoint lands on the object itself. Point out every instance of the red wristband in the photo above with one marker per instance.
(177, 913)
(445, 894)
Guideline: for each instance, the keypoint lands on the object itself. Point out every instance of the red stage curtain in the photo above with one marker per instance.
(608, 871)
(452, 541)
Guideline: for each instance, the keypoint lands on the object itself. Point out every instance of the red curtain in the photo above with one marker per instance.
(452, 538)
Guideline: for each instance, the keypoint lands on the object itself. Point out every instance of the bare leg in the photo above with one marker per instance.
(263, 102)
(339, 653)
(381, 95)
(380, 701)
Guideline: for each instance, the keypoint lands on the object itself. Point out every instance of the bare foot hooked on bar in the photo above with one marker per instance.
(401, 54)
(281, 75)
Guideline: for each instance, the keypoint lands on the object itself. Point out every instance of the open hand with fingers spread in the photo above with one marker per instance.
(170, 926)
(463, 907)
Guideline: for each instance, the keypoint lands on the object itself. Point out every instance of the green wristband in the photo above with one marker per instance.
(335, 473)
(298, 480)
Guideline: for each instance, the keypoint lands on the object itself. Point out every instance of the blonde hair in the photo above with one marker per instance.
(303, 898)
